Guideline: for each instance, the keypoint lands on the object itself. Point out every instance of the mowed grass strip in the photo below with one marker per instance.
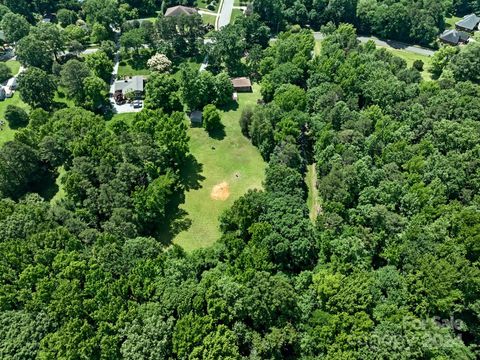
(410, 57)
(232, 160)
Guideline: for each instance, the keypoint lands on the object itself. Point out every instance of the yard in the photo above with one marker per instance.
(410, 57)
(209, 19)
(13, 65)
(229, 167)
(202, 4)
(450, 22)
(241, 2)
(7, 134)
(236, 14)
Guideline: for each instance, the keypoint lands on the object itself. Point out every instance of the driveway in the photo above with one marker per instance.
(225, 13)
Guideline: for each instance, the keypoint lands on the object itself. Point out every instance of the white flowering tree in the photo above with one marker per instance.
(160, 63)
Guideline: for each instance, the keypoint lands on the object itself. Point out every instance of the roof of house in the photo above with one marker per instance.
(196, 116)
(469, 22)
(241, 82)
(180, 10)
(454, 36)
(133, 84)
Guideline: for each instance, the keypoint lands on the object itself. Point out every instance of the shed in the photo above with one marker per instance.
(454, 37)
(242, 84)
(180, 10)
(196, 117)
(468, 23)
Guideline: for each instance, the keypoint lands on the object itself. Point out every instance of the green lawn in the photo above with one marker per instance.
(60, 194)
(312, 200)
(7, 134)
(318, 47)
(192, 63)
(13, 65)
(241, 2)
(127, 70)
(209, 19)
(232, 160)
(410, 57)
(450, 22)
(202, 4)
(236, 14)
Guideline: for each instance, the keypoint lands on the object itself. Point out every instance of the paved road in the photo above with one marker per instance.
(225, 13)
(388, 43)
(398, 45)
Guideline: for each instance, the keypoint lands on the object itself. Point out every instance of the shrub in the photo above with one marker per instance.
(5, 72)
(211, 118)
(160, 63)
(246, 120)
(418, 64)
(16, 116)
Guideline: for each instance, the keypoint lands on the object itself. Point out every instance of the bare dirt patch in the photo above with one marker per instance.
(220, 191)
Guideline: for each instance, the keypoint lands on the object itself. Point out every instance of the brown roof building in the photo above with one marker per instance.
(180, 10)
(242, 84)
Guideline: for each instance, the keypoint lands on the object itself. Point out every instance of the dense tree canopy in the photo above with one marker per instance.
(362, 243)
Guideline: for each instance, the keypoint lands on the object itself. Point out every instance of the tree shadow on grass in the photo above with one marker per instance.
(218, 133)
(230, 106)
(190, 174)
(176, 219)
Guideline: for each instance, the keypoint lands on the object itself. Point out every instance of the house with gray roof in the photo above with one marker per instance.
(180, 10)
(454, 37)
(468, 23)
(134, 84)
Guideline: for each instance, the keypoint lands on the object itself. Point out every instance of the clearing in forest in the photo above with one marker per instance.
(227, 166)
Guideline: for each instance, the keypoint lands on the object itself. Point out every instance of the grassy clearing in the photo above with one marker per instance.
(13, 65)
(318, 47)
(60, 194)
(312, 200)
(209, 19)
(7, 134)
(233, 160)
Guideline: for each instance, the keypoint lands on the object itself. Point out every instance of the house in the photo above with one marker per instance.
(454, 37)
(180, 10)
(196, 117)
(121, 88)
(242, 84)
(133, 84)
(469, 23)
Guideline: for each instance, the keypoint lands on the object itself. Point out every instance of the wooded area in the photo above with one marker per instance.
(386, 264)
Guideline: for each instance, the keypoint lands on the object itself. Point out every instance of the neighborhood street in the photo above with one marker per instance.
(398, 45)
(225, 13)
